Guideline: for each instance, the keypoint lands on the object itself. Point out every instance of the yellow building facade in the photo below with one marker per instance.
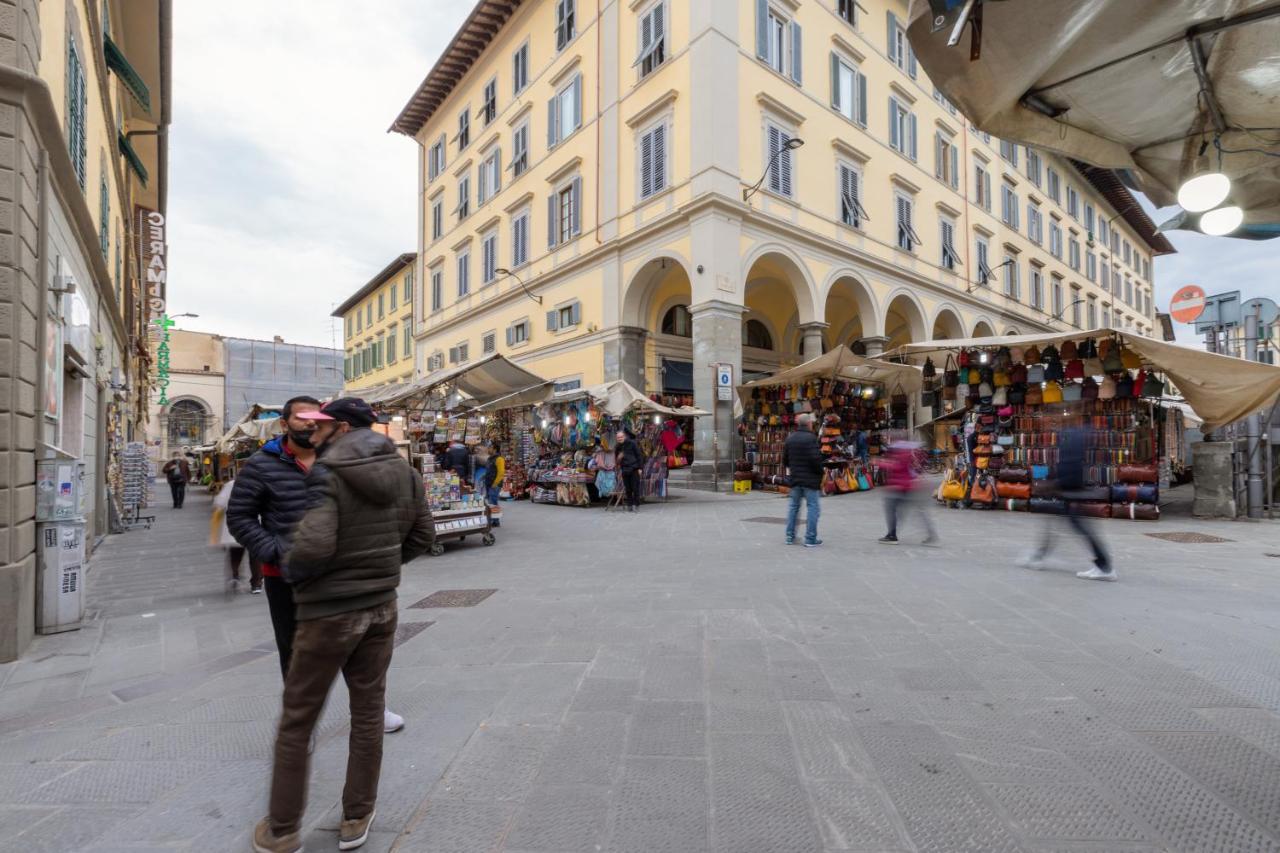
(377, 328)
(646, 190)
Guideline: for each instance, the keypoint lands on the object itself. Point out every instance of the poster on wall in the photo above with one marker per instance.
(52, 368)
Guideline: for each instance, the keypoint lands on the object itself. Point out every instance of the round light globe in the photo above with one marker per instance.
(1204, 192)
(1220, 222)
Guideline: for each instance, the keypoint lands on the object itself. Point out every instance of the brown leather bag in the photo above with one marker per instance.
(1014, 491)
(1015, 474)
(983, 490)
(1138, 512)
(1144, 473)
(1091, 509)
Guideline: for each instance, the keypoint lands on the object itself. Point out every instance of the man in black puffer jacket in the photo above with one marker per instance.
(267, 502)
(802, 457)
(366, 515)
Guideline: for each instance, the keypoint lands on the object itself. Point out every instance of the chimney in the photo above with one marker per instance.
(278, 339)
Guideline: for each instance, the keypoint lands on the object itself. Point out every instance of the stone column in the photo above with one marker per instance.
(811, 342)
(624, 358)
(875, 345)
(717, 339)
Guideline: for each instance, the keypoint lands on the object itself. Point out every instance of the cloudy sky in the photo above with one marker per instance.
(287, 193)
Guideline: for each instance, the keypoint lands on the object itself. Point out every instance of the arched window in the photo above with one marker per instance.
(188, 421)
(755, 334)
(678, 322)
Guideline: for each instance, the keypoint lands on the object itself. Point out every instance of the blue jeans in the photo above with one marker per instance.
(812, 511)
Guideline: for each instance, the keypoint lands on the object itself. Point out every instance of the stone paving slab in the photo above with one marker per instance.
(707, 689)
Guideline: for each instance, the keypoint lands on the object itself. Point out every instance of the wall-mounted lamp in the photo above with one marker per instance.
(1058, 316)
(790, 144)
(506, 272)
(986, 274)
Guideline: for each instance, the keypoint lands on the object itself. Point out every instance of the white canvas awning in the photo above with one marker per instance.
(1152, 88)
(1218, 388)
(483, 381)
(843, 363)
(616, 398)
(253, 426)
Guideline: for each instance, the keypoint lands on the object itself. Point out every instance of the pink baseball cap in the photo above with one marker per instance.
(313, 416)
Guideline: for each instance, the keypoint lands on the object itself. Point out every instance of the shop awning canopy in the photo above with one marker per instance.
(531, 396)
(483, 381)
(1218, 388)
(1151, 88)
(842, 363)
(618, 397)
(252, 427)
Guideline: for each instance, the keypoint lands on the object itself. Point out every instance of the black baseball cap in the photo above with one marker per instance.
(351, 410)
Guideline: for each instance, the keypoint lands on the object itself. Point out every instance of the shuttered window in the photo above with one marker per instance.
(564, 112)
(464, 197)
(77, 99)
(1009, 206)
(848, 90)
(520, 69)
(564, 217)
(490, 177)
(902, 128)
(778, 160)
(463, 136)
(391, 346)
(1012, 282)
(946, 160)
(520, 150)
(520, 240)
(408, 339)
(437, 290)
(1037, 288)
(947, 238)
(490, 108)
(851, 210)
(779, 42)
(565, 30)
(488, 342)
(464, 274)
(983, 254)
(489, 257)
(653, 39)
(899, 49)
(982, 187)
(908, 239)
(653, 161)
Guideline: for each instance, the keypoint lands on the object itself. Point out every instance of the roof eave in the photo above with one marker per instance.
(400, 262)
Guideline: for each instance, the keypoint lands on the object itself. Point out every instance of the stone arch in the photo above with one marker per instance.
(777, 261)
(983, 327)
(658, 268)
(765, 324)
(946, 323)
(188, 421)
(1012, 330)
(904, 319)
(849, 308)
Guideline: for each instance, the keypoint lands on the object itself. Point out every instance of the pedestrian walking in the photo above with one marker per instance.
(497, 475)
(1070, 479)
(366, 515)
(802, 460)
(177, 472)
(235, 551)
(266, 504)
(902, 480)
(630, 463)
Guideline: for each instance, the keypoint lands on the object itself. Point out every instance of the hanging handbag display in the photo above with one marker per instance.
(1052, 393)
(1130, 359)
(1053, 371)
(1044, 489)
(1032, 355)
(1124, 388)
(962, 391)
(1069, 351)
(1035, 374)
(1107, 390)
(983, 490)
(1074, 369)
(1153, 388)
(948, 392)
(1015, 474)
(950, 375)
(963, 358)
(1111, 362)
(1034, 395)
(1017, 374)
(1019, 491)
(1089, 390)
(1093, 366)
(1088, 349)
(1000, 379)
(985, 390)
(1050, 354)
(1072, 392)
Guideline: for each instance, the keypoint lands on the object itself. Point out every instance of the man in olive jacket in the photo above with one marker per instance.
(366, 515)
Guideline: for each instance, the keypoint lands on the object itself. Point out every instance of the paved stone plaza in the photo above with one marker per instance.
(679, 680)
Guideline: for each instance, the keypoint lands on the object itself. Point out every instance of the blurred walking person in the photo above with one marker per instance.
(177, 472)
(1072, 465)
(802, 460)
(902, 480)
(235, 551)
(345, 590)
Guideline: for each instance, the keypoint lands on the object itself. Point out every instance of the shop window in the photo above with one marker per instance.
(755, 334)
(653, 39)
(564, 23)
(653, 161)
(848, 90)
(677, 321)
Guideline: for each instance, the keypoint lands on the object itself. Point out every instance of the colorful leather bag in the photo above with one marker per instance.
(1035, 374)
(1124, 388)
(1014, 474)
(1139, 473)
(1093, 366)
(1052, 393)
(1053, 371)
(1017, 374)
(1013, 491)
(953, 487)
(1034, 395)
(1000, 397)
(983, 489)
(950, 375)
(1130, 359)
(1107, 390)
(1069, 351)
(1074, 369)
(1032, 355)
(1153, 387)
(1039, 472)
(1089, 390)
(1111, 362)
(1017, 395)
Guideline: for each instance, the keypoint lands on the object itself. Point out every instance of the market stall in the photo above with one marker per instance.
(573, 434)
(1022, 392)
(860, 404)
(259, 425)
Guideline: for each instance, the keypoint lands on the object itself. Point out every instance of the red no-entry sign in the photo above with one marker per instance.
(1187, 304)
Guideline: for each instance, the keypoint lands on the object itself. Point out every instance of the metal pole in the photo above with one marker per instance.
(1253, 426)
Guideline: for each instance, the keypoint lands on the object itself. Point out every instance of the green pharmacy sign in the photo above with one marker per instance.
(163, 324)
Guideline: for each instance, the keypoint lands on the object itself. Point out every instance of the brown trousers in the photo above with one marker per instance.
(357, 644)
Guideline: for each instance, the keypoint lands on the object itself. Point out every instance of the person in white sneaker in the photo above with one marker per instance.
(1070, 477)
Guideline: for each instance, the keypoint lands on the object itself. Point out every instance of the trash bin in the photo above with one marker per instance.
(59, 576)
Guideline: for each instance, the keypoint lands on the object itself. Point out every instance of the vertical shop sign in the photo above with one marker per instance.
(163, 322)
(153, 259)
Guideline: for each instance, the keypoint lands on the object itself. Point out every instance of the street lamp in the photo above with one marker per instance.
(985, 275)
(1058, 316)
(791, 143)
(506, 272)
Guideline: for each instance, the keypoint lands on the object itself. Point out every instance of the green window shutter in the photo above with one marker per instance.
(131, 156)
(104, 217)
(131, 79)
(76, 105)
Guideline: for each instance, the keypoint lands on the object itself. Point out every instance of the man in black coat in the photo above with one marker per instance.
(630, 463)
(802, 458)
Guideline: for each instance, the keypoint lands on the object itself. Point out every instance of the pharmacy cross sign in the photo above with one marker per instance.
(163, 324)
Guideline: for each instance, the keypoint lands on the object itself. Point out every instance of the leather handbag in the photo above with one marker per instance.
(1093, 366)
(975, 376)
(1124, 388)
(1000, 379)
(928, 371)
(1050, 354)
(1053, 371)
(1050, 506)
(864, 485)
(963, 358)
(1005, 411)
(1019, 491)
(1000, 397)
(1015, 474)
(1091, 509)
(962, 391)
(1153, 387)
(948, 392)
(1089, 390)
(1018, 374)
(985, 390)
(1134, 493)
(1052, 393)
(1092, 493)
(1139, 382)
(1111, 362)
(1130, 359)
(1072, 392)
(1105, 348)
(1138, 473)
(1014, 505)
(1074, 369)
(1087, 349)
(1044, 489)
(1039, 472)
(953, 487)
(1107, 390)
(1035, 374)
(1069, 351)
(1034, 395)
(1136, 512)
(1032, 355)
(983, 489)
(950, 375)
(1017, 395)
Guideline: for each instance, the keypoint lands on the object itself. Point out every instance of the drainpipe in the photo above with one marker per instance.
(42, 291)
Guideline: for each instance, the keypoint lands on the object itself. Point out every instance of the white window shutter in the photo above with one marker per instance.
(576, 227)
(659, 26)
(646, 35)
(784, 161)
(762, 29)
(797, 54)
(775, 168)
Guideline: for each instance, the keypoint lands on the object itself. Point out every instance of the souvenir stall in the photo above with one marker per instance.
(859, 405)
(258, 426)
(573, 435)
(1022, 392)
(677, 432)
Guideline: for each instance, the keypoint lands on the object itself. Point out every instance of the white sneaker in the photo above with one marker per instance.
(1031, 561)
(391, 721)
(1097, 574)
